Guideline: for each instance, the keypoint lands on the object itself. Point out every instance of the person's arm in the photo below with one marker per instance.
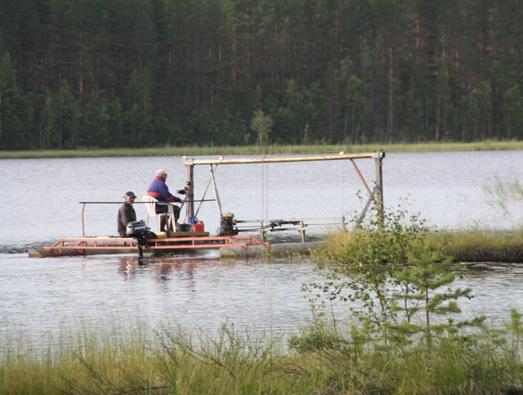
(132, 214)
(168, 196)
(123, 216)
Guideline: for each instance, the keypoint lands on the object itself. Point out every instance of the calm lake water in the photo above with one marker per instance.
(40, 297)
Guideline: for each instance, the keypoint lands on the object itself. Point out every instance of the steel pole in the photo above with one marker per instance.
(378, 160)
(189, 173)
(83, 220)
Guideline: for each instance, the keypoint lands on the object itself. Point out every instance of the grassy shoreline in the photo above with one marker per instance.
(321, 359)
(486, 145)
(479, 246)
(324, 363)
(466, 246)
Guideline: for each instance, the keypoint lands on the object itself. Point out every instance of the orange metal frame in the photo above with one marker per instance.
(172, 243)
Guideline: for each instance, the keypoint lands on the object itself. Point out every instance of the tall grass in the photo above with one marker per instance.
(501, 193)
(230, 364)
(454, 365)
(169, 364)
(479, 246)
(486, 145)
(463, 246)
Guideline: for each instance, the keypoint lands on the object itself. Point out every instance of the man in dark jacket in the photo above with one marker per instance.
(126, 213)
(158, 189)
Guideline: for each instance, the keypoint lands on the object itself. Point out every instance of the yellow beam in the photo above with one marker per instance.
(269, 159)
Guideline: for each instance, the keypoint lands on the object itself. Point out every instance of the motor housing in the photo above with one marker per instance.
(136, 229)
(227, 227)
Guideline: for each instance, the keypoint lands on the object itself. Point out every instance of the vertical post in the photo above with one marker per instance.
(83, 221)
(378, 197)
(189, 174)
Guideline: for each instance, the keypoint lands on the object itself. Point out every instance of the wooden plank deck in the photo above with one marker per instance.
(129, 244)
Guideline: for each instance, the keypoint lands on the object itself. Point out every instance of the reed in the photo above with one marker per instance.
(487, 145)
(448, 366)
(479, 245)
(472, 245)
(168, 364)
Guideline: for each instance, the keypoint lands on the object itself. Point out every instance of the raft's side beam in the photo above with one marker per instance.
(175, 243)
(99, 243)
(205, 242)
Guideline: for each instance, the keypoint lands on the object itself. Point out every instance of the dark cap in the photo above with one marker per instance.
(129, 194)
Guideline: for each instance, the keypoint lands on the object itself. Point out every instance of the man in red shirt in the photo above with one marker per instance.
(158, 189)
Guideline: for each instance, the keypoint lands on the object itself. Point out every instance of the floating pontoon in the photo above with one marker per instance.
(114, 245)
(197, 241)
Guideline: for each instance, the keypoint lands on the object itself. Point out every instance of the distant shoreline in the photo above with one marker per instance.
(486, 145)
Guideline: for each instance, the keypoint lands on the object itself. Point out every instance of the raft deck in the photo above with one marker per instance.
(101, 245)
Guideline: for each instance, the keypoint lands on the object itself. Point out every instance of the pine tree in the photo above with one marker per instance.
(62, 115)
(13, 115)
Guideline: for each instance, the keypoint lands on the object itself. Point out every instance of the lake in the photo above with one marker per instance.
(41, 297)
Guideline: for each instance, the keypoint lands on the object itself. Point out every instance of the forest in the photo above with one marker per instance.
(151, 73)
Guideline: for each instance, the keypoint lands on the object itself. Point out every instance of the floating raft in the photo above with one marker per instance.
(115, 245)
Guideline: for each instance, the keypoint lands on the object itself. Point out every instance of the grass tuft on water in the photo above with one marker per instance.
(479, 245)
(462, 246)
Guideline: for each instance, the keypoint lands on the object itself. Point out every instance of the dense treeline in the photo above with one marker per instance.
(106, 73)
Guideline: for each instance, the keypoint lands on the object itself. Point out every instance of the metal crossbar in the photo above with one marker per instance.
(299, 224)
(375, 195)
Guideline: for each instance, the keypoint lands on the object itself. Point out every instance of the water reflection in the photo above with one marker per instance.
(165, 268)
(128, 265)
(193, 293)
